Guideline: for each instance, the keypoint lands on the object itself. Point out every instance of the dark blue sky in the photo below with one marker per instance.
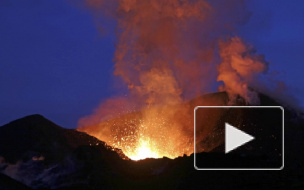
(54, 61)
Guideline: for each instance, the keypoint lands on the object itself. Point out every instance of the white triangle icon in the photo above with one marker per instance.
(235, 138)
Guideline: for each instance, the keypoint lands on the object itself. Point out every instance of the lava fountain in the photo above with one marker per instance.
(168, 52)
(153, 133)
(144, 149)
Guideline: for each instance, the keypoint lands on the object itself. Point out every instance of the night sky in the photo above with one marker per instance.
(54, 61)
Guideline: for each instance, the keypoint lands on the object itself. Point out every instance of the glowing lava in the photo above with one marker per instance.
(152, 133)
(143, 150)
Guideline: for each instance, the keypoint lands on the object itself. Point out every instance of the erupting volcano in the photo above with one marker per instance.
(165, 74)
(167, 53)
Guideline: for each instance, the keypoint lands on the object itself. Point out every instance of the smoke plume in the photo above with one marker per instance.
(239, 67)
(168, 52)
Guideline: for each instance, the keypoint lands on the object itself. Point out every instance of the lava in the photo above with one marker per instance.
(143, 150)
(153, 133)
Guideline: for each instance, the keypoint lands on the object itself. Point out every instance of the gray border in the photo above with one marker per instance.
(280, 107)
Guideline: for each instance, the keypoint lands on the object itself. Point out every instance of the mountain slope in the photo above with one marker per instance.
(39, 153)
(35, 136)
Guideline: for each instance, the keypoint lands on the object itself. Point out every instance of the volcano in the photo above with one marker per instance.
(35, 153)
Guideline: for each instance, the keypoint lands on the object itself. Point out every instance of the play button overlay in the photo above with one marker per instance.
(239, 138)
(235, 138)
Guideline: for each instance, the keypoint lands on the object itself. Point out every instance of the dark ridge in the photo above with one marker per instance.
(32, 121)
(222, 99)
(36, 136)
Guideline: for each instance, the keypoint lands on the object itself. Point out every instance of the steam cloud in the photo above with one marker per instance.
(239, 67)
(167, 52)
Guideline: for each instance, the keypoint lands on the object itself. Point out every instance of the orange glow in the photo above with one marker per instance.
(153, 133)
(167, 53)
(143, 150)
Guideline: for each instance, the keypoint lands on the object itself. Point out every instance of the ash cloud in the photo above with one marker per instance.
(239, 68)
(168, 52)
